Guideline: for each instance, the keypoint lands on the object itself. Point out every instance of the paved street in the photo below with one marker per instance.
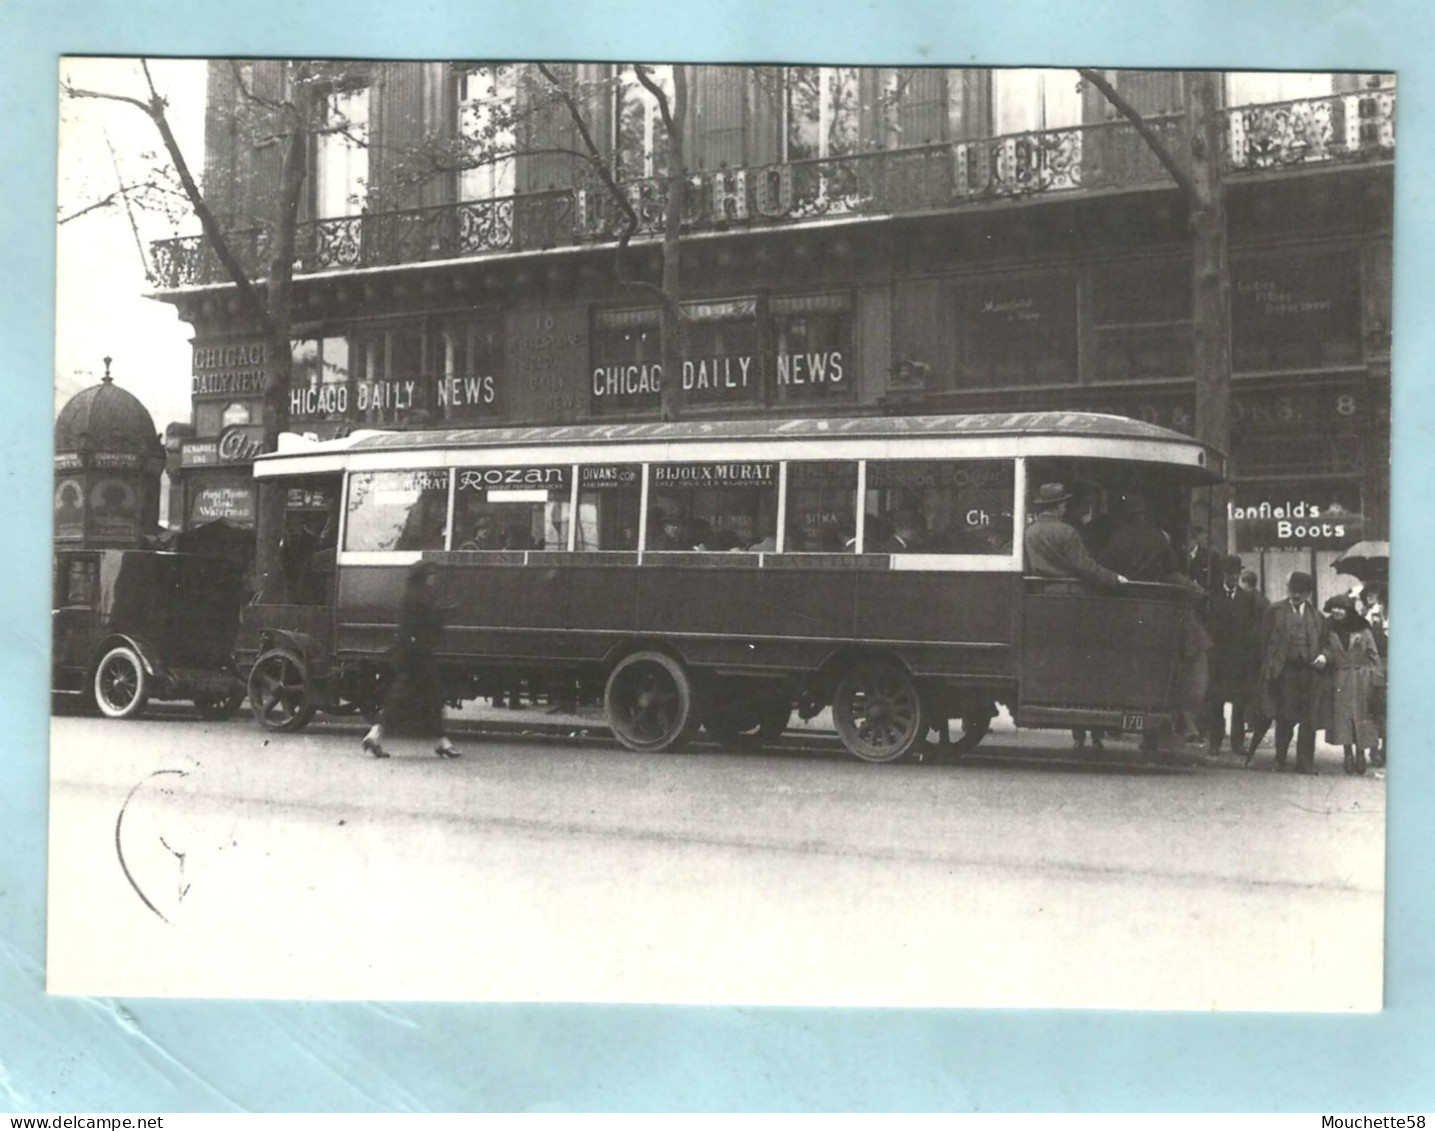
(561, 868)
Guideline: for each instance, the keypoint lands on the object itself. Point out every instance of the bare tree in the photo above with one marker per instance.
(1195, 167)
(285, 123)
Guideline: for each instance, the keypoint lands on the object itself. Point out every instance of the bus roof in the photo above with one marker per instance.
(1053, 425)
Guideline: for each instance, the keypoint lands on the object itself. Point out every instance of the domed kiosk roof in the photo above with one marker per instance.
(105, 418)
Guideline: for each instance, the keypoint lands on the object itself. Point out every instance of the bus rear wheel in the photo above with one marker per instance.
(650, 703)
(278, 692)
(878, 711)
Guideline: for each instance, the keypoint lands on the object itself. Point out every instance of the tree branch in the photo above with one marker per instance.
(1156, 142)
(641, 71)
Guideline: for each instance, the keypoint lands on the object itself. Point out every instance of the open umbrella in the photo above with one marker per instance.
(1368, 561)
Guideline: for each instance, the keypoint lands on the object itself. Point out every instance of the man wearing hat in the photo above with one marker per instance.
(1292, 634)
(1054, 548)
(1234, 616)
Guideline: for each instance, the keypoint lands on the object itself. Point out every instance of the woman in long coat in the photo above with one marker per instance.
(414, 704)
(1353, 669)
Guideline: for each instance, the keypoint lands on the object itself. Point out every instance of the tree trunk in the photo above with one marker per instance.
(1210, 294)
(671, 326)
(279, 359)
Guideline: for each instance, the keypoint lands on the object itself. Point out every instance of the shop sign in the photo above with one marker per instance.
(199, 453)
(232, 502)
(723, 377)
(610, 477)
(1325, 518)
(515, 478)
(117, 461)
(715, 475)
(69, 510)
(69, 462)
(302, 499)
(229, 370)
(548, 352)
(240, 443)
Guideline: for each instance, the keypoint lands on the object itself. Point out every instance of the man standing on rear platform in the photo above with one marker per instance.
(1054, 548)
(1292, 634)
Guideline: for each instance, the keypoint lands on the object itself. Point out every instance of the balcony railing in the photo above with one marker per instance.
(1344, 128)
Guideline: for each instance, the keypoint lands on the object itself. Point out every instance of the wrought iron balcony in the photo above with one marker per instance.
(1111, 155)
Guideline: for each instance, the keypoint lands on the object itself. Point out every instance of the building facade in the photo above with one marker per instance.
(856, 241)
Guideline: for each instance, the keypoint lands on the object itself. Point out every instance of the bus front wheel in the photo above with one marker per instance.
(878, 711)
(650, 703)
(278, 692)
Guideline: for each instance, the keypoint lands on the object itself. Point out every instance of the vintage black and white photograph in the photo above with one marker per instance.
(619, 531)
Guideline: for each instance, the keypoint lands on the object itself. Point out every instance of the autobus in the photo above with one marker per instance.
(721, 575)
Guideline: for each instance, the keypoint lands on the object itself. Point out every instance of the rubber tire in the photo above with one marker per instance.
(685, 719)
(895, 690)
(290, 667)
(107, 670)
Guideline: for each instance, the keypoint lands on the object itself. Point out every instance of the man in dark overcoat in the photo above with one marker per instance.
(1234, 617)
(1292, 634)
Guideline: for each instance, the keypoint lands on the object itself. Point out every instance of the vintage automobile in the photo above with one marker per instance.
(135, 625)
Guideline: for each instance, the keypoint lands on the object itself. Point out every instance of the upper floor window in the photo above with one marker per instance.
(821, 107)
(640, 141)
(487, 97)
(1244, 88)
(1035, 98)
(341, 154)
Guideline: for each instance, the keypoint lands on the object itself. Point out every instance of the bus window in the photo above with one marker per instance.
(511, 508)
(397, 510)
(939, 506)
(821, 507)
(608, 500)
(713, 506)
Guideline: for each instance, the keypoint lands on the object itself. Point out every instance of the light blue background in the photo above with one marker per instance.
(76, 1055)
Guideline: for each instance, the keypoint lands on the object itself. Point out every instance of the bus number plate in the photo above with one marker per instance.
(1133, 722)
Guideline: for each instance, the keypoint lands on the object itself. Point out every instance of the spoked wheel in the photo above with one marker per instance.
(278, 695)
(121, 684)
(949, 743)
(878, 712)
(745, 721)
(219, 705)
(650, 703)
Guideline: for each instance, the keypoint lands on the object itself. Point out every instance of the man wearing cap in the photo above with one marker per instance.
(1054, 548)
(1292, 633)
(1234, 616)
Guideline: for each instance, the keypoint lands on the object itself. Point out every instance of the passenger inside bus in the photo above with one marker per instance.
(939, 506)
(1053, 546)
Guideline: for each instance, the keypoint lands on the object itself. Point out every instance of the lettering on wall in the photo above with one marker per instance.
(228, 370)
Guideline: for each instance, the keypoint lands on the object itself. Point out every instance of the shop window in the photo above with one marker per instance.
(640, 139)
(720, 365)
(341, 154)
(608, 500)
(713, 507)
(511, 508)
(486, 100)
(822, 107)
(397, 510)
(1296, 310)
(466, 358)
(1141, 315)
(812, 346)
(821, 507)
(939, 507)
(319, 381)
(1016, 332)
(395, 387)
(627, 355)
(1035, 98)
(1246, 88)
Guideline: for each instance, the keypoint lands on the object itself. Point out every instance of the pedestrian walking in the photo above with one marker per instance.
(1234, 616)
(414, 704)
(1353, 670)
(1371, 604)
(1292, 636)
